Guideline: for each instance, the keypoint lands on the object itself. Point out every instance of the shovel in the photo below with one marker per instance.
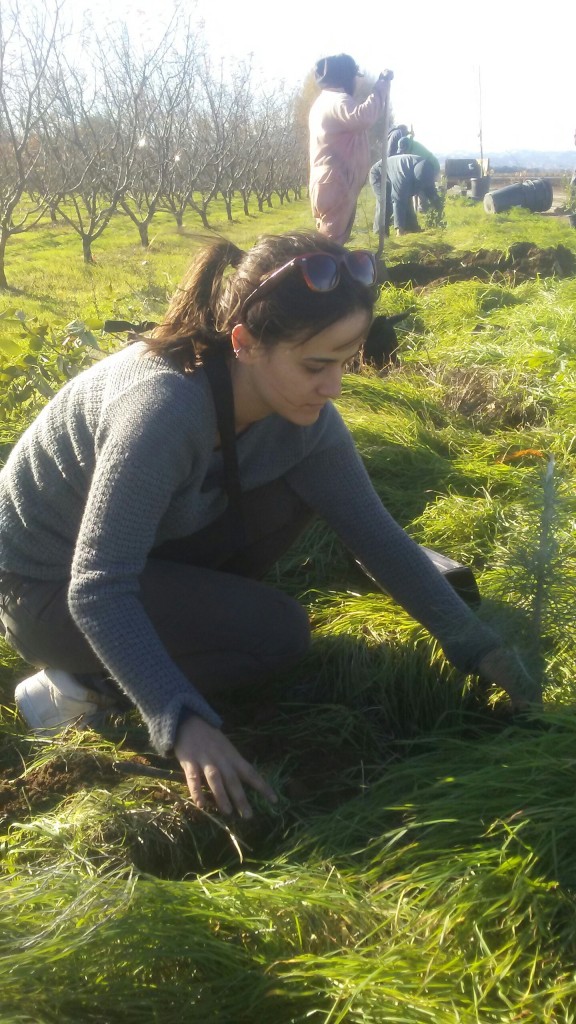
(383, 275)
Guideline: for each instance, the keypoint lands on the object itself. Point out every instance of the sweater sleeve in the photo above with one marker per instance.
(360, 116)
(144, 453)
(334, 482)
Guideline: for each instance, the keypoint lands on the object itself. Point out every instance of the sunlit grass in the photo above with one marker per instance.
(46, 271)
(443, 892)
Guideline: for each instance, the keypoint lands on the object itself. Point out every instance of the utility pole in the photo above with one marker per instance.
(480, 118)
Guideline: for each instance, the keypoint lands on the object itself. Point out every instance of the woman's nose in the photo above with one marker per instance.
(331, 385)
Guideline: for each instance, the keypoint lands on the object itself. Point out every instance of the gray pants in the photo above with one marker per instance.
(220, 624)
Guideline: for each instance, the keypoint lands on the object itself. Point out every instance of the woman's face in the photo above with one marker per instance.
(294, 380)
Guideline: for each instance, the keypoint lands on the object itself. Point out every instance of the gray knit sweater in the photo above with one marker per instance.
(114, 465)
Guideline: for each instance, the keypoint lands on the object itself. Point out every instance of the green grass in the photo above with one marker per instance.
(419, 864)
(46, 271)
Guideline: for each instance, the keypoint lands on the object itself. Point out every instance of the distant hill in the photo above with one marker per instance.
(524, 159)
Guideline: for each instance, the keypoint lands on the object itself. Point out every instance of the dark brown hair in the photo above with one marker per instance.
(206, 306)
(337, 72)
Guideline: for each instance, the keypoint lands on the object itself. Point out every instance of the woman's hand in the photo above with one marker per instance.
(206, 754)
(504, 668)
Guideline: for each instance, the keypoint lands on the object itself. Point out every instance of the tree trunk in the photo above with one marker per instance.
(228, 205)
(144, 238)
(179, 219)
(87, 249)
(245, 205)
(3, 240)
(200, 208)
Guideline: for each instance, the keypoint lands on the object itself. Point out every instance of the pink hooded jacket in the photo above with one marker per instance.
(340, 156)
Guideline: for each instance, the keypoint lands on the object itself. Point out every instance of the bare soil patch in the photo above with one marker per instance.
(40, 789)
(522, 262)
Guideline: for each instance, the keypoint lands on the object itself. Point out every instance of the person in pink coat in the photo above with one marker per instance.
(339, 144)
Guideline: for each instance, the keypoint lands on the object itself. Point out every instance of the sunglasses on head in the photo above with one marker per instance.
(321, 272)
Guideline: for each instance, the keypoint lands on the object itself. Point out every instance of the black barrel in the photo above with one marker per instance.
(479, 186)
(534, 195)
(540, 194)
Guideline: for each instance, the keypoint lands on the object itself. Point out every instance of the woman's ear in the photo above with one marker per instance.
(242, 342)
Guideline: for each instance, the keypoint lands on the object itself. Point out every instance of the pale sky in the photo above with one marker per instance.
(523, 53)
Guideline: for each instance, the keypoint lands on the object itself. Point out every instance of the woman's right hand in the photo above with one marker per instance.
(207, 755)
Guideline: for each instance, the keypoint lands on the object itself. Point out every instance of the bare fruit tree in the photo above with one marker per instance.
(29, 43)
(91, 144)
(159, 90)
(238, 136)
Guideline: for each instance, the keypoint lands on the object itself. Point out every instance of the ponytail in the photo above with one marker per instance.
(192, 327)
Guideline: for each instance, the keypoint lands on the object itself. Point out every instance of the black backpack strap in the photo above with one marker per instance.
(218, 374)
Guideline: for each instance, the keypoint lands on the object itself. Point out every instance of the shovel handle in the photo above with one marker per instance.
(384, 172)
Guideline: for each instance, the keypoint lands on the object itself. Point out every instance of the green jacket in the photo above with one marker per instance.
(412, 146)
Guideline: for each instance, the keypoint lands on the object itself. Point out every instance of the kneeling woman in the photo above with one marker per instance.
(140, 509)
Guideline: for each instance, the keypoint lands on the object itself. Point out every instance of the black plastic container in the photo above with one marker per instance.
(534, 195)
(479, 186)
(460, 576)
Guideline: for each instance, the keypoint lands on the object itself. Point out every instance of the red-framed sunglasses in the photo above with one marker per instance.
(321, 272)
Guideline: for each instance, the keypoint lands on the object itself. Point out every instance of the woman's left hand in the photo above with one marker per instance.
(504, 668)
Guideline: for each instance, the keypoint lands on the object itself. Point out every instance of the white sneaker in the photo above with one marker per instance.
(53, 699)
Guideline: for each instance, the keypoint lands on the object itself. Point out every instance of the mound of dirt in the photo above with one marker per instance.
(522, 262)
(42, 788)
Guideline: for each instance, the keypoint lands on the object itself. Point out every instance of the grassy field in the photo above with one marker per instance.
(419, 866)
